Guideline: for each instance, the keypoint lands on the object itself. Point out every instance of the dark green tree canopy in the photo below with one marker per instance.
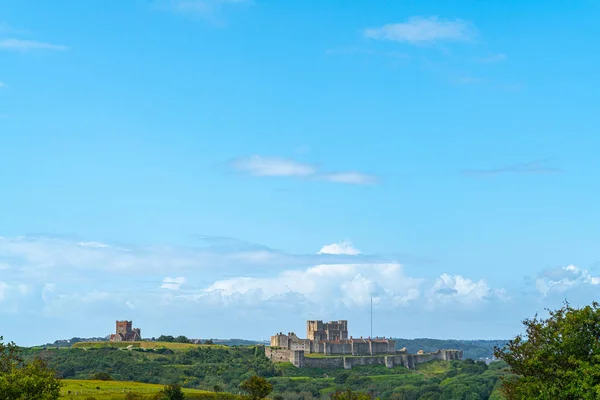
(557, 358)
(257, 387)
(350, 395)
(173, 392)
(33, 381)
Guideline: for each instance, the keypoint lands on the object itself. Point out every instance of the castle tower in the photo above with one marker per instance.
(124, 327)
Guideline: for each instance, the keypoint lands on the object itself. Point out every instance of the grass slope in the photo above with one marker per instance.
(143, 345)
(105, 390)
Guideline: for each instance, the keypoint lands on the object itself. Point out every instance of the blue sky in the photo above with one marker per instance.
(230, 168)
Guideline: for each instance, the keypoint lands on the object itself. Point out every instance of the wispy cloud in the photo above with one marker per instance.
(173, 283)
(273, 166)
(280, 167)
(420, 30)
(353, 178)
(493, 58)
(344, 247)
(2, 85)
(27, 45)
(533, 167)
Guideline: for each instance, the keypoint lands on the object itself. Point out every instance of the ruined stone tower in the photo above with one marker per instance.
(125, 333)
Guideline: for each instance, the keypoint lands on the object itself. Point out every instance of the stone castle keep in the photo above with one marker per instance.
(125, 333)
(331, 339)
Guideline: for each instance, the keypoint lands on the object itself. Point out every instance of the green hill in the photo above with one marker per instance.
(141, 345)
(222, 368)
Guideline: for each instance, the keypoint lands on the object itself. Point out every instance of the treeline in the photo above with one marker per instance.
(475, 349)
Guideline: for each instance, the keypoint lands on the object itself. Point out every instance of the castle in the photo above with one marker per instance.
(125, 333)
(336, 350)
(331, 338)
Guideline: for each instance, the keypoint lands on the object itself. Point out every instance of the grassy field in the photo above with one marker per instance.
(433, 368)
(109, 390)
(143, 345)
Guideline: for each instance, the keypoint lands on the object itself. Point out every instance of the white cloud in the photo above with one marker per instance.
(355, 178)
(281, 167)
(559, 280)
(457, 289)
(344, 247)
(66, 282)
(323, 286)
(272, 166)
(173, 283)
(3, 85)
(26, 45)
(419, 30)
(92, 244)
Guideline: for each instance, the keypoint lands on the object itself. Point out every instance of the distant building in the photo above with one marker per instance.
(125, 333)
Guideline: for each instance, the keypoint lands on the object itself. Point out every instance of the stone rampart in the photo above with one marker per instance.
(278, 355)
(331, 362)
(298, 359)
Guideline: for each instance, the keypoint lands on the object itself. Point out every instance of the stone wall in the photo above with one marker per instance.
(278, 355)
(333, 362)
(298, 359)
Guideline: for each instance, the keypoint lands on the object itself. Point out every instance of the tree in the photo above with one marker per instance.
(209, 341)
(559, 358)
(33, 381)
(173, 392)
(182, 339)
(340, 379)
(350, 395)
(101, 376)
(257, 387)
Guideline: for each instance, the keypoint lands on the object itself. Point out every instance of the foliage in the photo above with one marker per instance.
(558, 359)
(257, 387)
(28, 381)
(171, 339)
(210, 367)
(101, 376)
(350, 395)
(173, 392)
